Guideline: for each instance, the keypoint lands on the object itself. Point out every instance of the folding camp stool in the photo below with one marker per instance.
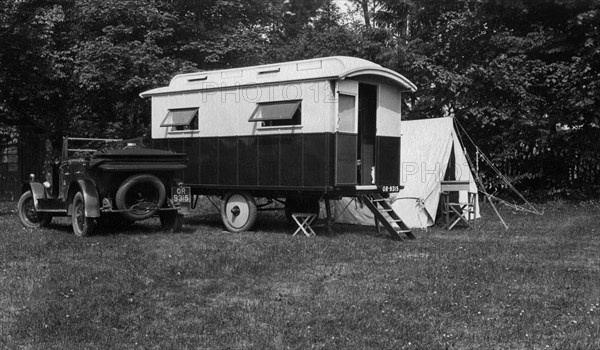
(303, 220)
(454, 212)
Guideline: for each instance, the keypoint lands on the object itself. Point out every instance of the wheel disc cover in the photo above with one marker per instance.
(237, 211)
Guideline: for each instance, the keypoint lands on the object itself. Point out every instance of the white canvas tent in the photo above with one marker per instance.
(429, 148)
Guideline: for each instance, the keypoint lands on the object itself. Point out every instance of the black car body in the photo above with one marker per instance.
(108, 180)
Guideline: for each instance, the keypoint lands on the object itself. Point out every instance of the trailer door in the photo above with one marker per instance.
(367, 129)
(346, 136)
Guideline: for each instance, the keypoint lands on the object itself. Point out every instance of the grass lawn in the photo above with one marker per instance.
(535, 286)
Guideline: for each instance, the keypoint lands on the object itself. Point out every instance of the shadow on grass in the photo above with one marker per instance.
(277, 224)
(146, 227)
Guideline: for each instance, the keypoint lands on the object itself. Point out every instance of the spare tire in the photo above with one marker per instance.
(140, 196)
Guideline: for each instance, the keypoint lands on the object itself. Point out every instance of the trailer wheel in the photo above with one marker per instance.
(30, 217)
(140, 196)
(238, 211)
(82, 225)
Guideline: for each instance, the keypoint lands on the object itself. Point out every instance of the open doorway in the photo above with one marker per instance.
(367, 129)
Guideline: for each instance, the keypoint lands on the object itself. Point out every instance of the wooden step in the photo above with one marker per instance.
(403, 231)
(388, 222)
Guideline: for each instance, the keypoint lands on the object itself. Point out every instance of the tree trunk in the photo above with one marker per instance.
(365, 8)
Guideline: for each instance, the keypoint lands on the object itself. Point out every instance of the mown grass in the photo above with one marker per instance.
(535, 286)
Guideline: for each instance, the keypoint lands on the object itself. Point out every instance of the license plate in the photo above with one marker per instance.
(182, 194)
(390, 188)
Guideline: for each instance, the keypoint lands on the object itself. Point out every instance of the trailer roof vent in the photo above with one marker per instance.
(197, 79)
(270, 71)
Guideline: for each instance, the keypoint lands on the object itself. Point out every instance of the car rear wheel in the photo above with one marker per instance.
(140, 196)
(30, 217)
(82, 225)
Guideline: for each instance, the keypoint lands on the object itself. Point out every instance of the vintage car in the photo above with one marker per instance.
(109, 181)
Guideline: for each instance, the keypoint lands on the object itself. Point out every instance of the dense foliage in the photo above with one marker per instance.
(522, 76)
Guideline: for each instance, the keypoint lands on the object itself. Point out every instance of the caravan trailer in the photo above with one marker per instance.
(295, 131)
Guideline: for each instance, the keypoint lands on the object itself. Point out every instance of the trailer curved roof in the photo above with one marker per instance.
(336, 67)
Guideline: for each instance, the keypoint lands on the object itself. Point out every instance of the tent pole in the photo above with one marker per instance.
(477, 162)
(496, 210)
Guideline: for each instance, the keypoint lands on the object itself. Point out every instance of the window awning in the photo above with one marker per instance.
(275, 111)
(179, 117)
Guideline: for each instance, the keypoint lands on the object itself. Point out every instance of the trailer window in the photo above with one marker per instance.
(346, 113)
(283, 113)
(181, 119)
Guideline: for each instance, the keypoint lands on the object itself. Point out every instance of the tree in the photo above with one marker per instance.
(298, 13)
(523, 76)
(27, 71)
(514, 74)
(115, 50)
(224, 33)
(322, 35)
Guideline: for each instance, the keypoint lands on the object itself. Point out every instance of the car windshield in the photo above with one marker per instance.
(79, 147)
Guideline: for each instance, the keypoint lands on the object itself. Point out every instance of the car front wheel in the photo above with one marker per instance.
(82, 225)
(28, 216)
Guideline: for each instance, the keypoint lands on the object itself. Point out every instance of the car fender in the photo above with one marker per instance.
(90, 198)
(37, 190)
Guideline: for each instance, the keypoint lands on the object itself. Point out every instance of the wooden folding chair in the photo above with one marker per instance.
(304, 220)
(455, 211)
